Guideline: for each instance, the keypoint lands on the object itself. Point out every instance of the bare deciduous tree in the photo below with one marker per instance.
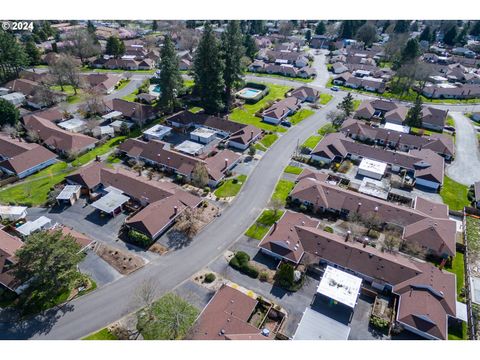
(200, 176)
(391, 242)
(188, 223)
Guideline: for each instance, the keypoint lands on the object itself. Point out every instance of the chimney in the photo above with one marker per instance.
(348, 235)
(251, 135)
(175, 210)
(226, 163)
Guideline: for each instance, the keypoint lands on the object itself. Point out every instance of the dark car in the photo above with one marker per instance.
(286, 123)
(449, 128)
(334, 88)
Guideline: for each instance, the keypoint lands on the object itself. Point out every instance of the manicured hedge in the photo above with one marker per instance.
(240, 262)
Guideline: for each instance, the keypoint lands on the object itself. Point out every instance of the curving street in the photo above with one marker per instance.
(465, 169)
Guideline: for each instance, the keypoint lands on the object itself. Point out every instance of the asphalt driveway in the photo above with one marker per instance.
(465, 169)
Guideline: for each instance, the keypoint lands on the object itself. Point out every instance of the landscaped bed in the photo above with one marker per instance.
(124, 263)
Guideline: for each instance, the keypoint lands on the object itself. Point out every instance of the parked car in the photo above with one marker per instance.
(334, 88)
(449, 128)
(286, 123)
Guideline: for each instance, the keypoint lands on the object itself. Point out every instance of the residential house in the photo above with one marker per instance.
(103, 83)
(305, 94)
(9, 245)
(426, 224)
(35, 93)
(56, 138)
(243, 138)
(21, 159)
(358, 130)
(226, 317)
(280, 110)
(137, 112)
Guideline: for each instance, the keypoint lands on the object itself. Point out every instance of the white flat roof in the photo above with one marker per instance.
(120, 122)
(374, 166)
(71, 124)
(12, 210)
(374, 188)
(203, 132)
(31, 226)
(111, 115)
(158, 130)
(189, 147)
(316, 326)
(397, 127)
(340, 286)
(110, 202)
(68, 191)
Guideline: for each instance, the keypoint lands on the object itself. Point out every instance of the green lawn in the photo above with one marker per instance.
(246, 114)
(123, 83)
(70, 92)
(293, 170)
(268, 140)
(458, 269)
(195, 109)
(312, 141)
(454, 194)
(260, 228)
(89, 69)
(299, 79)
(98, 151)
(326, 129)
(300, 115)
(458, 331)
(356, 104)
(282, 190)
(325, 98)
(450, 121)
(231, 187)
(103, 334)
(131, 97)
(188, 83)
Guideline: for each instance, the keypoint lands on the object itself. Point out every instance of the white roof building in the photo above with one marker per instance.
(397, 127)
(157, 132)
(12, 213)
(372, 168)
(42, 223)
(340, 286)
(73, 125)
(189, 147)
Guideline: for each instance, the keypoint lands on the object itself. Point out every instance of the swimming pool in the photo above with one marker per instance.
(249, 93)
(157, 89)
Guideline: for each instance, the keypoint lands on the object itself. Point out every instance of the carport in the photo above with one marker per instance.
(316, 326)
(111, 203)
(69, 194)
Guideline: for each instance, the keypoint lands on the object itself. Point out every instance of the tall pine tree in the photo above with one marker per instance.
(232, 52)
(208, 72)
(414, 115)
(170, 78)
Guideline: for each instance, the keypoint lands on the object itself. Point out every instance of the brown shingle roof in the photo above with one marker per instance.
(28, 159)
(226, 315)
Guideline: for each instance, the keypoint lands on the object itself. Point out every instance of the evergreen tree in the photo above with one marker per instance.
(308, 35)
(232, 52)
(257, 27)
(386, 25)
(462, 37)
(115, 47)
(12, 56)
(401, 26)
(346, 105)
(346, 30)
(90, 27)
(32, 53)
(154, 25)
(47, 266)
(9, 114)
(450, 36)
(426, 34)
(208, 72)
(170, 78)
(250, 46)
(410, 51)
(475, 30)
(414, 115)
(320, 28)
(190, 24)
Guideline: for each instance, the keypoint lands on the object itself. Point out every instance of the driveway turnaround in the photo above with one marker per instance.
(113, 301)
(465, 169)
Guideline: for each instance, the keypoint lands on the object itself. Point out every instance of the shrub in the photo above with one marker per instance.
(378, 322)
(285, 276)
(206, 189)
(302, 208)
(240, 262)
(209, 278)
(263, 276)
(139, 238)
(328, 229)
(235, 180)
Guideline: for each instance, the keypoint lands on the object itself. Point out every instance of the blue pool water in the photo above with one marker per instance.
(157, 89)
(250, 93)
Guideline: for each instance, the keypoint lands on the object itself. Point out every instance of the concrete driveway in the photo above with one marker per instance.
(98, 269)
(465, 169)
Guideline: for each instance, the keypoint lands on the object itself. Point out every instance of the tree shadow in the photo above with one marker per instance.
(13, 327)
(177, 240)
(96, 218)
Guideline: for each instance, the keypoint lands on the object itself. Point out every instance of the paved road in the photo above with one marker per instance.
(465, 169)
(109, 303)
